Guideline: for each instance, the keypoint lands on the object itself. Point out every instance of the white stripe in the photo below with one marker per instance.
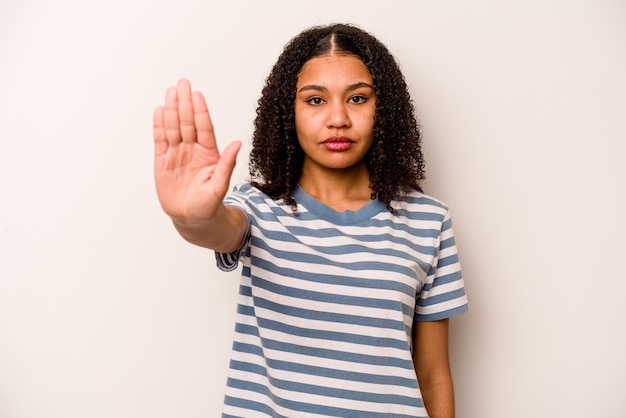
(338, 270)
(328, 363)
(349, 404)
(334, 289)
(407, 257)
(326, 382)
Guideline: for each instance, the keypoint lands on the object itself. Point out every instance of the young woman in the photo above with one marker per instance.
(350, 272)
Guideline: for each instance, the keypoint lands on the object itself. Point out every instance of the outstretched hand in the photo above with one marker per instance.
(191, 175)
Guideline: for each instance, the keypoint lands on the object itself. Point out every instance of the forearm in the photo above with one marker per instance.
(432, 366)
(438, 397)
(223, 233)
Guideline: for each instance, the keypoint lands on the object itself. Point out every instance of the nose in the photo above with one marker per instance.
(338, 115)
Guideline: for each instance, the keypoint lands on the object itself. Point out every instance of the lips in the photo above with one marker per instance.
(337, 144)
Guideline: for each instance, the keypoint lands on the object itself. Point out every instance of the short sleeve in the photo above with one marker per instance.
(443, 294)
(229, 261)
(237, 198)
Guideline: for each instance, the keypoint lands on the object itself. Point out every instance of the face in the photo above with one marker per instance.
(334, 112)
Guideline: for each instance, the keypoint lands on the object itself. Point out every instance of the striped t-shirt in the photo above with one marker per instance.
(327, 303)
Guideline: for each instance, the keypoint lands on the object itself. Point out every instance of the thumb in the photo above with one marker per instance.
(224, 167)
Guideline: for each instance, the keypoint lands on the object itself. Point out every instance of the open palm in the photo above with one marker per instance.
(191, 175)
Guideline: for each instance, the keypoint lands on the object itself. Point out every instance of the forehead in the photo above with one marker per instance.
(335, 68)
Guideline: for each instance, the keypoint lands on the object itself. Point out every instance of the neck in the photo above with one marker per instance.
(338, 189)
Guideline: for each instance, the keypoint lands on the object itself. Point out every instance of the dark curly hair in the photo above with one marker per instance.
(395, 161)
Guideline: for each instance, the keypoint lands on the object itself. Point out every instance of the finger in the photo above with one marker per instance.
(160, 139)
(186, 111)
(224, 168)
(170, 117)
(204, 126)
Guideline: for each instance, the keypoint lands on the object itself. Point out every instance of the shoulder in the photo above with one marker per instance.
(416, 201)
(250, 198)
(241, 194)
(244, 188)
(245, 191)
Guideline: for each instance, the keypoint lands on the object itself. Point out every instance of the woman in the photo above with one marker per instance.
(350, 272)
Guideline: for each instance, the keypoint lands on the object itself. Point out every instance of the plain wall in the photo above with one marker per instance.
(106, 312)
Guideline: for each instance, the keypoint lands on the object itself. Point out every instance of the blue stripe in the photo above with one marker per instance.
(311, 408)
(414, 238)
(447, 224)
(249, 405)
(247, 348)
(246, 329)
(447, 261)
(375, 303)
(360, 245)
(443, 314)
(349, 376)
(245, 290)
(324, 353)
(447, 243)
(245, 310)
(444, 297)
(338, 355)
(443, 262)
(334, 279)
(445, 279)
(390, 250)
(304, 257)
(329, 316)
(425, 200)
(333, 335)
(384, 227)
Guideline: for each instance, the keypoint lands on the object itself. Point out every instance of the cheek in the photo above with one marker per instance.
(299, 129)
(304, 125)
(301, 133)
(367, 122)
(298, 119)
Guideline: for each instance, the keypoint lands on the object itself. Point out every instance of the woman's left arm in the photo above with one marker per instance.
(430, 357)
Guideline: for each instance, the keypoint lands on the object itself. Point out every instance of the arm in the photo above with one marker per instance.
(223, 233)
(430, 357)
(191, 175)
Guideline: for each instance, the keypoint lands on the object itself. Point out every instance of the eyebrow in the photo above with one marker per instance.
(351, 87)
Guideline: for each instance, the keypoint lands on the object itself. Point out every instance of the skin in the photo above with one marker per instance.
(334, 99)
(430, 358)
(191, 175)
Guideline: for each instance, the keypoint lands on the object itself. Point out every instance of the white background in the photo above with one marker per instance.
(105, 312)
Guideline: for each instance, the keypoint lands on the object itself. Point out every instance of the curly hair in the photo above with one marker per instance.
(394, 161)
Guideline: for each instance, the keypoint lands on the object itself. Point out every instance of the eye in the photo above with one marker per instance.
(357, 99)
(315, 101)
